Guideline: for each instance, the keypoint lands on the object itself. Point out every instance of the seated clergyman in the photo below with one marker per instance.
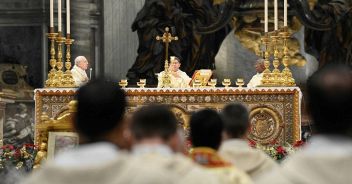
(257, 78)
(79, 71)
(179, 79)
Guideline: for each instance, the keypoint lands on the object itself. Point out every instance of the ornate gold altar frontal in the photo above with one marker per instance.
(274, 112)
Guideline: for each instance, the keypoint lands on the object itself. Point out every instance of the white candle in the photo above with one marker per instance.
(276, 15)
(68, 16)
(59, 15)
(51, 13)
(285, 13)
(266, 16)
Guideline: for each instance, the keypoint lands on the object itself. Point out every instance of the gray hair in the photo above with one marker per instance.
(260, 60)
(79, 59)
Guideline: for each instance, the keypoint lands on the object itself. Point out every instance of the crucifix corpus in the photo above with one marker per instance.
(166, 38)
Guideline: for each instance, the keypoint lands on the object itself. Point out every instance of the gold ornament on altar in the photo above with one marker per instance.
(167, 38)
(240, 82)
(123, 83)
(50, 82)
(288, 80)
(197, 83)
(275, 38)
(57, 77)
(276, 77)
(68, 80)
(212, 83)
(141, 83)
(226, 83)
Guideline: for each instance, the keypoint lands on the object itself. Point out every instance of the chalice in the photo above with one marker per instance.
(123, 83)
(213, 82)
(141, 83)
(226, 83)
(240, 82)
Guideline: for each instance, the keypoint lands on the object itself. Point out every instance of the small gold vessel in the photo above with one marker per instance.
(123, 83)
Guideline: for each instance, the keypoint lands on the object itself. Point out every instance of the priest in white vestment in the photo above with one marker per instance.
(257, 78)
(327, 157)
(157, 143)
(179, 79)
(235, 147)
(79, 71)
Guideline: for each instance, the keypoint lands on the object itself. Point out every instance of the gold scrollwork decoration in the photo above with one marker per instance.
(266, 124)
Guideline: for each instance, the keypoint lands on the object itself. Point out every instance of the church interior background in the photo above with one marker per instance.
(102, 30)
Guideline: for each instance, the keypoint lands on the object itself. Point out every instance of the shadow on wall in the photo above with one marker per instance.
(22, 45)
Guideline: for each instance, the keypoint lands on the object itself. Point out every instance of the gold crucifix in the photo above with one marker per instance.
(167, 38)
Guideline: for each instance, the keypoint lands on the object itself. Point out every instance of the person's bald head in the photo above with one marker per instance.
(81, 62)
(259, 65)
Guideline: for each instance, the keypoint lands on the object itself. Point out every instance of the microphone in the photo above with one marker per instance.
(90, 73)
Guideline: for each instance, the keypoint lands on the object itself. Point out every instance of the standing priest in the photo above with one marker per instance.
(179, 79)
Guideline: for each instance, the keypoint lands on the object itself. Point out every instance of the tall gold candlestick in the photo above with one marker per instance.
(266, 72)
(68, 80)
(288, 80)
(52, 37)
(59, 75)
(276, 75)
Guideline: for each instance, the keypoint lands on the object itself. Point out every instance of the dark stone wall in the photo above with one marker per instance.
(21, 40)
(22, 45)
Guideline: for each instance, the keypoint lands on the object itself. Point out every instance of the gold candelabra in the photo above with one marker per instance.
(57, 77)
(275, 77)
(167, 38)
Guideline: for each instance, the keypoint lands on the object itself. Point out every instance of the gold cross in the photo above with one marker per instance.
(167, 38)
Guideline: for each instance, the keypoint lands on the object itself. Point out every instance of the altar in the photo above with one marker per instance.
(274, 112)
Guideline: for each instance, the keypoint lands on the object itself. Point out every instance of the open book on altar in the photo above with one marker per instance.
(202, 75)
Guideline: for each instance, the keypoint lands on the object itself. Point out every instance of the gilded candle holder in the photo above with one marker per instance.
(141, 83)
(123, 83)
(276, 74)
(287, 79)
(52, 62)
(240, 82)
(58, 81)
(68, 80)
